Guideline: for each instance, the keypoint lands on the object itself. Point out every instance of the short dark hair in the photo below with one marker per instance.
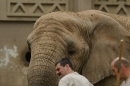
(125, 62)
(63, 61)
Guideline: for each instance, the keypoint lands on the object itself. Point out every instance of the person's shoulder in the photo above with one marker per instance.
(73, 75)
(65, 77)
(68, 76)
(76, 75)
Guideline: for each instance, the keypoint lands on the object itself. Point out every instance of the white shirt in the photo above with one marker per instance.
(126, 82)
(74, 79)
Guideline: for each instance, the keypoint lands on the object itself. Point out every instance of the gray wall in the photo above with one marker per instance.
(13, 49)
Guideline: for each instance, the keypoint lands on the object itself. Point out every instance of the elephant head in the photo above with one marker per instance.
(90, 39)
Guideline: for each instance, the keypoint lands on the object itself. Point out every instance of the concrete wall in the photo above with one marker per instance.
(16, 21)
(13, 48)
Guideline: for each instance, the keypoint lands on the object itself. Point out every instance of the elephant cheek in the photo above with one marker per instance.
(42, 67)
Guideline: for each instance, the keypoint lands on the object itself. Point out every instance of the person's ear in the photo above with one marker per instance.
(67, 66)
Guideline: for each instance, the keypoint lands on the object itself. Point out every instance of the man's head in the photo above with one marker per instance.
(63, 67)
(122, 68)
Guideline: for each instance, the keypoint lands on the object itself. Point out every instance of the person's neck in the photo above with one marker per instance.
(70, 71)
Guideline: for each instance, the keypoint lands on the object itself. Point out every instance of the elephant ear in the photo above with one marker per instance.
(104, 47)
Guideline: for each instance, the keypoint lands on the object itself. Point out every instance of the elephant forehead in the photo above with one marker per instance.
(59, 16)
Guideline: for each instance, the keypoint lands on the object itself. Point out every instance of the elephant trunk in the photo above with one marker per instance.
(47, 45)
(42, 66)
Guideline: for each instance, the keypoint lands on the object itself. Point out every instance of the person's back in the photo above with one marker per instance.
(74, 79)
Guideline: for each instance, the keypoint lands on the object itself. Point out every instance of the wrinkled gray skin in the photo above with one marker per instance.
(91, 40)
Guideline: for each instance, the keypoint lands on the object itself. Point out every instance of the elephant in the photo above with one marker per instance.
(90, 39)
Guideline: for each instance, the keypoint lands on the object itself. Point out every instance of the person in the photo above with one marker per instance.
(123, 69)
(68, 77)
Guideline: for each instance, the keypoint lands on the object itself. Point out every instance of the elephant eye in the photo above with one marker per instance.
(71, 52)
(71, 48)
